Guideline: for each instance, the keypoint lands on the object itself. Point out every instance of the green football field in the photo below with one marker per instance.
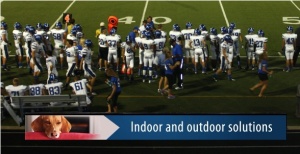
(200, 94)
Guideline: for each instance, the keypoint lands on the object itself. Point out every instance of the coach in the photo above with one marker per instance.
(297, 46)
(177, 55)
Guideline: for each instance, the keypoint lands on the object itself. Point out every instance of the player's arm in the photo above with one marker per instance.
(190, 44)
(33, 56)
(123, 54)
(114, 89)
(225, 53)
(89, 87)
(283, 45)
(265, 46)
(65, 38)
(172, 67)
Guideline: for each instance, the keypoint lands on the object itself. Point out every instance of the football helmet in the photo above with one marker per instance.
(230, 30)
(58, 25)
(250, 30)
(17, 25)
(148, 35)
(289, 29)
(38, 38)
(148, 27)
(213, 31)
(227, 38)
(52, 78)
(31, 30)
(27, 27)
(46, 27)
(3, 25)
(188, 25)
(39, 26)
(197, 31)
(157, 34)
(88, 43)
(224, 30)
(261, 33)
(78, 27)
(202, 27)
(113, 31)
(232, 25)
(176, 27)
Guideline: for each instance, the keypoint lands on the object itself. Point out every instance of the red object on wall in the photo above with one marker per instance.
(63, 136)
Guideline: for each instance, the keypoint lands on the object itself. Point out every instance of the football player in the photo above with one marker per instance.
(142, 27)
(37, 90)
(224, 32)
(59, 36)
(198, 43)
(40, 31)
(232, 45)
(47, 35)
(189, 53)
(51, 66)
(249, 47)
(176, 35)
(18, 38)
(36, 54)
(86, 63)
(72, 60)
(112, 99)
(113, 41)
(99, 31)
(16, 90)
(27, 44)
(81, 87)
(163, 33)
(205, 34)
(260, 43)
(4, 44)
(225, 58)
(103, 49)
(289, 46)
(214, 48)
(54, 88)
(237, 33)
(128, 57)
(149, 48)
(139, 45)
(159, 56)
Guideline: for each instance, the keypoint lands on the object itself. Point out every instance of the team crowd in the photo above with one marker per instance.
(191, 48)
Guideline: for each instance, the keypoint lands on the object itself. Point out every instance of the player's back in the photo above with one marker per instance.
(3, 32)
(54, 88)
(289, 39)
(17, 34)
(16, 90)
(187, 33)
(36, 90)
(259, 41)
(175, 35)
(58, 35)
(250, 39)
(197, 41)
(102, 40)
(236, 32)
(71, 54)
(160, 43)
(38, 48)
(112, 41)
(88, 55)
(148, 45)
(79, 86)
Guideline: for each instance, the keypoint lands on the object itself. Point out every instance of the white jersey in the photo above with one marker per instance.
(163, 34)
(128, 49)
(38, 48)
(259, 41)
(289, 40)
(175, 35)
(102, 41)
(187, 33)
(16, 90)
(113, 41)
(51, 61)
(79, 87)
(47, 37)
(213, 39)
(141, 29)
(17, 34)
(72, 37)
(71, 53)
(88, 55)
(148, 45)
(41, 32)
(224, 46)
(250, 39)
(160, 43)
(27, 36)
(197, 41)
(36, 90)
(58, 36)
(204, 33)
(138, 40)
(232, 44)
(236, 32)
(54, 88)
(3, 32)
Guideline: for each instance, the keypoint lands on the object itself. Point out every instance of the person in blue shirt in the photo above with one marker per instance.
(116, 91)
(263, 74)
(149, 21)
(177, 55)
(133, 34)
(169, 79)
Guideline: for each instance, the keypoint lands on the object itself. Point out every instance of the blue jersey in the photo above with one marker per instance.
(116, 81)
(168, 62)
(177, 53)
(132, 37)
(262, 64)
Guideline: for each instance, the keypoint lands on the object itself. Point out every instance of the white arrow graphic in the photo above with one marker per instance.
(107, 127)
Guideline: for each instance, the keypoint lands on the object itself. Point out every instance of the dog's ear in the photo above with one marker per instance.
(37, 125)
(66, 126)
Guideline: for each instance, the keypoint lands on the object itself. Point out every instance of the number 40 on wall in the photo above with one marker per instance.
(156, 20)
(291, 20)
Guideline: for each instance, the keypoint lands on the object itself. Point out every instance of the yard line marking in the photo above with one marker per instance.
(295, 5)
(224, 13)
(144, 12)
(62, 14)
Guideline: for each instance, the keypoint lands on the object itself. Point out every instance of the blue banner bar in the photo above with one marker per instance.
(199, 127)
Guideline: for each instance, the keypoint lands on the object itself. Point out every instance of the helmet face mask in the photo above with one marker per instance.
(289, 29)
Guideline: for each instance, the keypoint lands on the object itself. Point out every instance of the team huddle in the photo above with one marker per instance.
(189, 47)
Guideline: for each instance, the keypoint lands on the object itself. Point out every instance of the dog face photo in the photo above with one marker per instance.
(51, 125)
